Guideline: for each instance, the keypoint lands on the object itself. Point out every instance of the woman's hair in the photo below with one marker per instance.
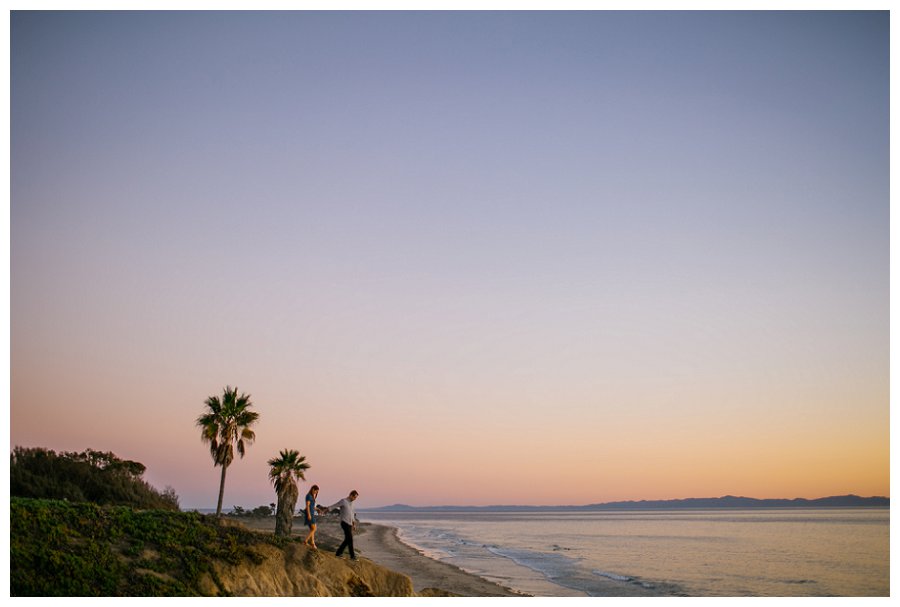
(314, 488)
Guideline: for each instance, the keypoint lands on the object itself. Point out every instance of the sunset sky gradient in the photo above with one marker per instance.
(458, 258)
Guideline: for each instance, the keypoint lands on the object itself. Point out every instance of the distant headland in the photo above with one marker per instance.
(702, 503)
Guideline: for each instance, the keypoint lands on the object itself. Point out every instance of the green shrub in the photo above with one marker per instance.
(89, 476)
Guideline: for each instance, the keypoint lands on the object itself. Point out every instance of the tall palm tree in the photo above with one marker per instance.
(284, 473)
(225, 425)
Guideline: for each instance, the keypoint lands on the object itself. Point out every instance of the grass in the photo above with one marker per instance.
(59, 548)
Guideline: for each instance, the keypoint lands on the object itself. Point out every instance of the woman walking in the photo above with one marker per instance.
(309, 515)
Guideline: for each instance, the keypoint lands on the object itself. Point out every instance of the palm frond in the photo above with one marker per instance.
(287, 468)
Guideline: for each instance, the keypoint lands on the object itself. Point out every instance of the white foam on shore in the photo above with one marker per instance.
(461, 559)
(612, 576)
(432, 553)
(554, 573)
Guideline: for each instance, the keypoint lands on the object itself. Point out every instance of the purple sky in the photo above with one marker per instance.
(458, 257)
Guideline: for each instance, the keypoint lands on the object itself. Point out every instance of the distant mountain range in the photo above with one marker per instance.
(703, 503)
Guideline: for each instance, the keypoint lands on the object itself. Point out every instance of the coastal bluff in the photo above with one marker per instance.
(59, 548)
(295, 570)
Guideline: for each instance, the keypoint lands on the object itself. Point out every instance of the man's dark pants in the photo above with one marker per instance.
(348, 540)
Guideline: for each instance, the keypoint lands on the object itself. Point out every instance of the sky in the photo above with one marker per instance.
(457, 258)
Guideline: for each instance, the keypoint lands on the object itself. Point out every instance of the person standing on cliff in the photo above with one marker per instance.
(348, 523)
(309, 516)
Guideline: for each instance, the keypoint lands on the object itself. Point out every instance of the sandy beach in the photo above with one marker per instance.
(380, 544)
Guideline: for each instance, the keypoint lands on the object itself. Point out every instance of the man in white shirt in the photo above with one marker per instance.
(348, 523)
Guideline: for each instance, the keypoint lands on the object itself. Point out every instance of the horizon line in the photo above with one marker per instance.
(630, 501)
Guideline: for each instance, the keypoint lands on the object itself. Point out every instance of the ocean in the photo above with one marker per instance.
(813, 553)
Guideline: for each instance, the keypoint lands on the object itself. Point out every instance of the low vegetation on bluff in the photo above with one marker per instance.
(60, 548)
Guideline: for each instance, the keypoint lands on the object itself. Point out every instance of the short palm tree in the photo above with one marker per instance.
(285, 471)
(225, 425)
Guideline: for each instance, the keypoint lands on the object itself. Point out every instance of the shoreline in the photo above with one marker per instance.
(383, 545)
(611, 587)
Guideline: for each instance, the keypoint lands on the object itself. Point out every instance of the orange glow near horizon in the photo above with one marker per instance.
(483, 454)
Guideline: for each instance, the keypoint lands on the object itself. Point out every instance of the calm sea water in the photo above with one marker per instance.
(695, 553)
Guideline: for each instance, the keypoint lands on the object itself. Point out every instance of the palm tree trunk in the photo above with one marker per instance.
(278, 519)
(284, 514)
(221, 492)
